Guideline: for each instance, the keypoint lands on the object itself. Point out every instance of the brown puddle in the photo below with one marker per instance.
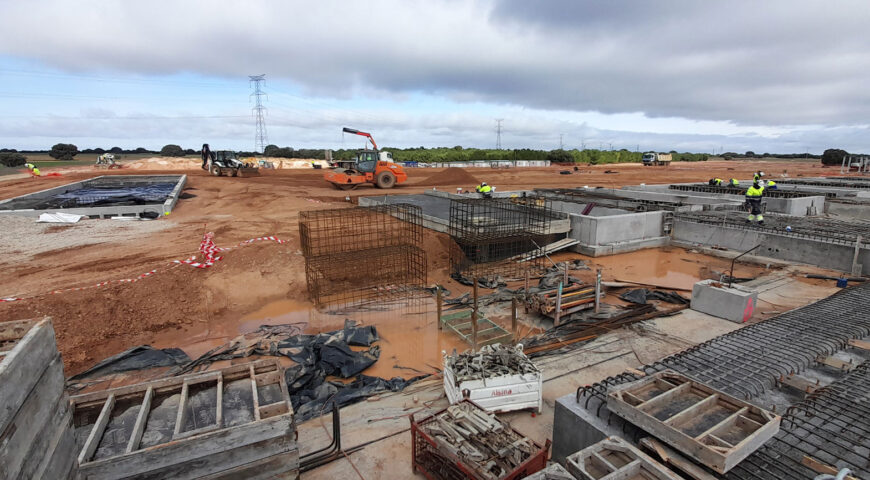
(673, 268)
(410, 341)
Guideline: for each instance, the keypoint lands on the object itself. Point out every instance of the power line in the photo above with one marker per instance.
(498, 133)
(260, 139)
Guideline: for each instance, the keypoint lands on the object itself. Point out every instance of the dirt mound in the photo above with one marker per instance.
(96, 323)
(450, 176)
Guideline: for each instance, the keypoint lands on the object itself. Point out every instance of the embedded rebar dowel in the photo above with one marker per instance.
(731, 273)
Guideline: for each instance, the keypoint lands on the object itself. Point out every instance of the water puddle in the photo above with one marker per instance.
(673, 268)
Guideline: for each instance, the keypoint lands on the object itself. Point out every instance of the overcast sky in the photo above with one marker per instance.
(774, 76)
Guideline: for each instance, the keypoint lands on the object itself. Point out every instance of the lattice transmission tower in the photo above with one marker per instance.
(259, 111)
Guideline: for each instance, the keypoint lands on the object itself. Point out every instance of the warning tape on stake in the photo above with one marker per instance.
(207, 248)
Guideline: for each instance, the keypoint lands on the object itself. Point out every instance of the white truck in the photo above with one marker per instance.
(653, 158)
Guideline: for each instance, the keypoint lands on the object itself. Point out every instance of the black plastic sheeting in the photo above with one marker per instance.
(328, 354)
(136, 358)
(642, 295)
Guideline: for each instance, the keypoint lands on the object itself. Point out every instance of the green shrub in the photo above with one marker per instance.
(12, 159)
(63, 151)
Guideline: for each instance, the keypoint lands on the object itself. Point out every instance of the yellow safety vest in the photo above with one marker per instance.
(754, 192)
(718, 181)
(770, 183)
(485, 189)
(734, 182)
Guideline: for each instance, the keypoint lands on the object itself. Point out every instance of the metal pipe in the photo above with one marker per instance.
(474, 319)
(597, 290)
(731, 274)
(514, 319)
(438, 304)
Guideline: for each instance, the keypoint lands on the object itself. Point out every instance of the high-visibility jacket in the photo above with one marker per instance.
(718, 181)
(771, 183)
(484, 189)
(755, 192)
(735, 182)
(756, 177)
(35, 171)
(29, 166)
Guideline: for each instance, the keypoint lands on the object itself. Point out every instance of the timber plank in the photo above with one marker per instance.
(640, 465)
(41, 449)
(62, 461)
(141, 420)
(724, 442)
(97, 431)
(21, 368)
(41, 408)
(283, 466)
(180, 452)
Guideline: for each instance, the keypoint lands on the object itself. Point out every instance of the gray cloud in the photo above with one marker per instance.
(773, 63)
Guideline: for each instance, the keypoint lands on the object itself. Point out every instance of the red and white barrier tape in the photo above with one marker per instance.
(207, 248)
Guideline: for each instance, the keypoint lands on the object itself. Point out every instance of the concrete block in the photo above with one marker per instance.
(736, 304)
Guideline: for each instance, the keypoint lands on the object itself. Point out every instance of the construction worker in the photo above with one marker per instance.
(484, 190)
(207, 155)
(734, 183)
(34, 170)
(771, 184)
(753, 201)
(757, 176)
(716, 182)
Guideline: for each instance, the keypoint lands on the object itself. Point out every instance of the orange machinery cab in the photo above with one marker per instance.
(367, 168)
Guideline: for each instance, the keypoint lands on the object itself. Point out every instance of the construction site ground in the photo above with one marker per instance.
(197, 309)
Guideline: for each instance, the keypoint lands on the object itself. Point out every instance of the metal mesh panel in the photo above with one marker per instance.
(769, 193)
(748, 361)
(362, 253)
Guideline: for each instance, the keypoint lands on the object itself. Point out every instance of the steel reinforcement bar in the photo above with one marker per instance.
(742, 191)
(748, 361)
(812, 228)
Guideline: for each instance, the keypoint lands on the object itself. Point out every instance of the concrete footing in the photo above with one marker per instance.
(734, 303)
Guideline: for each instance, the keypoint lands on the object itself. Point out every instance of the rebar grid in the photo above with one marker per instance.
(340, 230)
(742, 191)
(842, 183)
(814, 228)
(509, 257)
(473, 220)
(500, 236)
(584, 196)
(832, 425)
(363, 253)
(386, 272)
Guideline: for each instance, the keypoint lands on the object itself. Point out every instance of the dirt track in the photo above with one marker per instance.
(181, 301)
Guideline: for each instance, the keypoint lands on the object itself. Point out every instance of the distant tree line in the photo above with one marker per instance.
(64, 151)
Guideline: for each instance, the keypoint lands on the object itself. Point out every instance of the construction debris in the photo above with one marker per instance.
(641, 296)
(498, 379)
(464, 435)
(562, 300)
(574, 332)
(492, 361)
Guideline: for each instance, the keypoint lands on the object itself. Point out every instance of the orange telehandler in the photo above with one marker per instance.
(369, 166)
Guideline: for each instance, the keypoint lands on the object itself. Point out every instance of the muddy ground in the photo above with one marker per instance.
(263, 282)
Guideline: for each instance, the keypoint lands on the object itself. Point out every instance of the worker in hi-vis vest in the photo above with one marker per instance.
(753, 201)
(771, 185)
(734, 183)
(484, 190)
(716, 182)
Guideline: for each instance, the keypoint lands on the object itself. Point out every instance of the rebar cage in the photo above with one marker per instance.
(498, 236)
(363, 253)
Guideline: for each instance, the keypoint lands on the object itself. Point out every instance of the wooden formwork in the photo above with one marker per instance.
(614, 458)
(236, 422)
(36, 438)
(707, 425)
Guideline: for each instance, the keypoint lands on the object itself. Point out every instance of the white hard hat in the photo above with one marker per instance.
(482, 184)
(760, 174)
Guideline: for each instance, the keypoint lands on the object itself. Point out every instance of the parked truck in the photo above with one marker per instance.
(657, 159)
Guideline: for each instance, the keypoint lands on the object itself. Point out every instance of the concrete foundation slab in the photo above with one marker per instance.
(93, 205)
(735, 304)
